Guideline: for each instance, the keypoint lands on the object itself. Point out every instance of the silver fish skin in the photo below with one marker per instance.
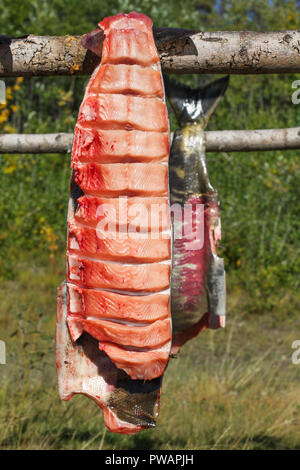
(198, 291)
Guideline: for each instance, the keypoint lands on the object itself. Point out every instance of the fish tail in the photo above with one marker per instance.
(195, 105)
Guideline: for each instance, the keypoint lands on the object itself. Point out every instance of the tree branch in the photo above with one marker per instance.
(181, 51)
(247, 141)
(216, 141)
(36, 143)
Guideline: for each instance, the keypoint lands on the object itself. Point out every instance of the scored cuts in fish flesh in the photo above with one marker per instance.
(114, 324)
(113, 334)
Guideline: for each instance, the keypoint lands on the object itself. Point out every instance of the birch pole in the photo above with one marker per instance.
(216, 141)
(181, 51)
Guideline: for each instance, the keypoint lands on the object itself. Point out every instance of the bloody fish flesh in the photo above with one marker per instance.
(113, 323)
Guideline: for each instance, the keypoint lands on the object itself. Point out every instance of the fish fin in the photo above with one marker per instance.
(93, 41)
(194, 104)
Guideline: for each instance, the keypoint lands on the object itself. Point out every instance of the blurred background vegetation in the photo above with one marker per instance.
(259, 191)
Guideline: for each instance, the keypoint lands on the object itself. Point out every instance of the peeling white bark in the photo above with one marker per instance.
(181, 51)
(247, 141)
(216, 141)
(36, 143)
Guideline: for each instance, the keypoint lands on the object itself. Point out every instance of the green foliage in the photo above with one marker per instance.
(259, 192)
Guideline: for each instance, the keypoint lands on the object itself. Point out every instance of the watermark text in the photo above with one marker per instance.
(2, 352)
(296, 353)
(2, 92)
(296, 94)
(136, 221)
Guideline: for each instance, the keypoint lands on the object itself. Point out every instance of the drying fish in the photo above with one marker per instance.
(105, 304)
(132, 247)
(143, 81)
(113, 323)
(124, 213)
(122, 179)
(119, 146)
(151, 277)
(198, 276)
(129, 406)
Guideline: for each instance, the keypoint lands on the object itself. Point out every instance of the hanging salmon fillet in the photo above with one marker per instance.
(113, 323)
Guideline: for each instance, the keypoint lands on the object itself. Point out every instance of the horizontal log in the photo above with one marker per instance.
(181, 51)
(247, 141)
(216, 141)
(36, 143)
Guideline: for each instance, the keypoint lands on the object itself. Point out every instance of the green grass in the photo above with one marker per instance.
(236, 388)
